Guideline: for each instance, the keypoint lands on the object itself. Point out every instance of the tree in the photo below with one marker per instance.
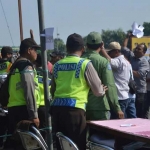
(146, 26)
(59, 44)
(113, 35)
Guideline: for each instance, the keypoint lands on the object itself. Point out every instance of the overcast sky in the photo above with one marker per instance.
(71, 16)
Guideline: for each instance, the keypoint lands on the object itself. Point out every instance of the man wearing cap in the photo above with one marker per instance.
(5, 65)
(122, 73)
(5, 62)
(23, 87)
(98, 108)
(70, 99)
(41, 109)
(56, 56)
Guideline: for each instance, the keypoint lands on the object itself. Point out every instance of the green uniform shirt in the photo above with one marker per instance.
(103, 68)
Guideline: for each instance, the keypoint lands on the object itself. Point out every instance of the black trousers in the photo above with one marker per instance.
(72, 123)
(3, 127)
(42, 117)
(16, 114)
(140, 104)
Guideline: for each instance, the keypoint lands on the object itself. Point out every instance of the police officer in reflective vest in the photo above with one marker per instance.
(23, 87)
(5, 65)
(72, 78)
(41, 109)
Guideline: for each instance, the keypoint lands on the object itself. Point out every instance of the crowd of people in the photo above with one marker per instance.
(89, 83)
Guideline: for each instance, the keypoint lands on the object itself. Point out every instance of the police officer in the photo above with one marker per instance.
(41, 109)
(70, 98)
(5, 65)
(56, 55)
(23, 87)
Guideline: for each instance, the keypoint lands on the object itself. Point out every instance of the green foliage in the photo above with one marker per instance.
(110, 36)
(113, 35)
(146, 26)
(59, 44)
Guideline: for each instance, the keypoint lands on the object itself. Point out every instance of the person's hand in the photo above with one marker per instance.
(105, 88)
(36, 121)
(102, 45)
(120, 114)
(129, 34)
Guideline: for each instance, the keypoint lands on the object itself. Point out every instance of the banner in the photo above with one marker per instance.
(49, 41)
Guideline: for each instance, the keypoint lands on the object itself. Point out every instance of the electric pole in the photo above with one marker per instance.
(45, 74)
(20, 20)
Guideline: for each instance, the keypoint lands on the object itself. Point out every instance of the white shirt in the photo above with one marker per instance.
(121, 70)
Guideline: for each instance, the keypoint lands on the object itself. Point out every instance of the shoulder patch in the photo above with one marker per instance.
(108, 66)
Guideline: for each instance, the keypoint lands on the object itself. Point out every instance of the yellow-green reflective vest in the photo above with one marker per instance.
(16, 92)
(71, 86)
(41, 87)
(4, 67)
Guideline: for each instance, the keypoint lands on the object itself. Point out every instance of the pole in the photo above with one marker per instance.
(45, 73)
(57, 39)
(20, 20)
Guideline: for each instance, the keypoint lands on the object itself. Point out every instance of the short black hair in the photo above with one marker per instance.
(93, 46)
(6, 50)
(144, 48)
(4, 55)
(74, 48)
(74, 43)
(22, 51)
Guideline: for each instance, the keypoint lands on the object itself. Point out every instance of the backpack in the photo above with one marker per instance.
(4, 92)
(132, 85)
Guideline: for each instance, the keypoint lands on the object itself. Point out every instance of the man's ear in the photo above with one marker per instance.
(83, 49)
(29, 50)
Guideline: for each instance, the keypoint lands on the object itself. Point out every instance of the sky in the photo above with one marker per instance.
(70, 16)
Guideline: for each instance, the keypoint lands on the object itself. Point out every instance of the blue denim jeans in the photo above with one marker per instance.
(128, 107)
